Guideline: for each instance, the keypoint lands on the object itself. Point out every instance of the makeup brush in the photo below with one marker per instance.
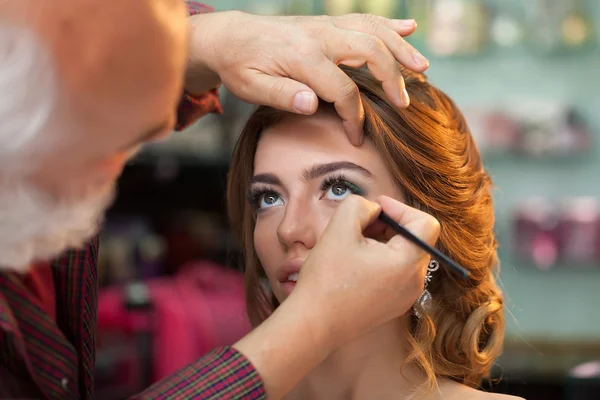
(435, 253)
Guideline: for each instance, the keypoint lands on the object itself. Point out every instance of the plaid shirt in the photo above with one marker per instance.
(45, 358)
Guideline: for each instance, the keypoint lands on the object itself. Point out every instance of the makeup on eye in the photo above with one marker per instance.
(334, 187)
(340, 187)
(261, 197)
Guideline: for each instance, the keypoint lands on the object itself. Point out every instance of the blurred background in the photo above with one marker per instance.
(525, 73)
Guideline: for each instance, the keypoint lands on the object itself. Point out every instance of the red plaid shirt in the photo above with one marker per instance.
(52, 356)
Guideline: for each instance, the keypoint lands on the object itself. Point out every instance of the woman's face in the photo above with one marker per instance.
(303, 167)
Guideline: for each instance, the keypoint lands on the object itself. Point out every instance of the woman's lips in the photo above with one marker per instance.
(288, 288)
(288, 276)
(288, 269)
(290, 283)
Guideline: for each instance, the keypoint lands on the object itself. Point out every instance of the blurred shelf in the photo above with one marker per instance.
(545, 358)
(510, 259)
(561, 266)
(556, 161)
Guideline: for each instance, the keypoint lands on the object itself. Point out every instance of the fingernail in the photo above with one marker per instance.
(304, 102)
(407, 23)
(405, 98)
(419, 59)
(397, 95)
(354, 132)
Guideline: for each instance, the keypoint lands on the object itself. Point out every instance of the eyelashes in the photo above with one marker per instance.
(263, 197)
(340, 179)
(255, 194)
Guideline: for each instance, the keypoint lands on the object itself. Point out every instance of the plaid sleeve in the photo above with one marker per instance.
(222, 374)
(193, 107)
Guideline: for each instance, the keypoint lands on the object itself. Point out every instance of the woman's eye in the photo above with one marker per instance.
(269, 200)
(338, 191)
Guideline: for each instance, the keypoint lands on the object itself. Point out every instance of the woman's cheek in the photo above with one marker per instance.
(265, 245)
(322, 216)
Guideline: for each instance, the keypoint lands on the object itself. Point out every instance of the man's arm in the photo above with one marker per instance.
(222, 374)
(284, 349)
(192, 105)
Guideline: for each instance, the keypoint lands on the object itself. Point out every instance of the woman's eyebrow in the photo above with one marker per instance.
(318, 170)
(315, 171)
(270, 179)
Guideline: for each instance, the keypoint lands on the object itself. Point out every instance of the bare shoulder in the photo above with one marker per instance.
(494, 396)
(474, 394)
(456, 391)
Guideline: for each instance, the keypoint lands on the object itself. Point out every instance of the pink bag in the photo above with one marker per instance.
(199, 309)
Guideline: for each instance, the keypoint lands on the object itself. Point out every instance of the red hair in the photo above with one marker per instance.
(434, 160)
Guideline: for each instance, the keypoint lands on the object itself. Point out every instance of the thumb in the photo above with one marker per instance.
(279, 92)
(421, 224)
(352, 217)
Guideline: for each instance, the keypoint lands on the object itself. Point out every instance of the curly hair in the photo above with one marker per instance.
(432, 156)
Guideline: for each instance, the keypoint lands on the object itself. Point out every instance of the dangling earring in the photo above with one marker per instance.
(424, 300)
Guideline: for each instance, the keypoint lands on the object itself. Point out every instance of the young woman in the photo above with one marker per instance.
(288, 174)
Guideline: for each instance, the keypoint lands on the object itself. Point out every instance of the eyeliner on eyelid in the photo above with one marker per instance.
(256, 193)
(340, 178)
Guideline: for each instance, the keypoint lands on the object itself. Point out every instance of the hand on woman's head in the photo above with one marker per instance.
(286, 62)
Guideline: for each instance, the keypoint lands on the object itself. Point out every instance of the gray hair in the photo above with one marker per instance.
(28, 93)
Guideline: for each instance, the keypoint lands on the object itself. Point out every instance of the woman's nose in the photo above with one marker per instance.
(297, 226)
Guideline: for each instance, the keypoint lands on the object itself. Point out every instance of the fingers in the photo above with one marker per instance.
(334, 86)
(403, 27)
(355, 48)
(377, 43)
(390, 32)
(330, 84)
(421, 224)
(352, 217)
(279, 92)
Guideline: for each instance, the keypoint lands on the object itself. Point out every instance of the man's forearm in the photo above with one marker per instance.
(199, 77)
(286, 347)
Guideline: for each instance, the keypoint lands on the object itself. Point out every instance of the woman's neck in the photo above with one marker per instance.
(369, 367)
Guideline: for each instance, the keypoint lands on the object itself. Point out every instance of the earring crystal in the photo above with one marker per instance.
(424, 300)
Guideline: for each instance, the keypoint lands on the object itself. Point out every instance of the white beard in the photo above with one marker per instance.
(34, 227)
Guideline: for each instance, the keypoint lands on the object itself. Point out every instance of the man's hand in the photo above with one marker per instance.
(348, 285)
(286, 62)
(357, 283)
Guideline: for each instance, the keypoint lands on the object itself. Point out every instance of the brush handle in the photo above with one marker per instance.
(438, 255)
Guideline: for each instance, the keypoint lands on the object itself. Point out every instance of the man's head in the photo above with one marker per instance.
(82, 86)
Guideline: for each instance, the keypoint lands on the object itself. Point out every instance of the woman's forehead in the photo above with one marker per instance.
(298, 142)
(298, 138)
